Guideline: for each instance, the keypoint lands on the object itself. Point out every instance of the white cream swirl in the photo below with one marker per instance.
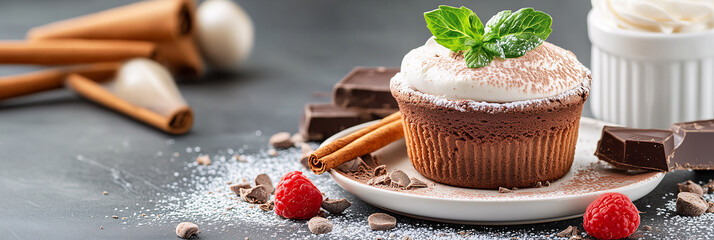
(545, 71)
(665, 16)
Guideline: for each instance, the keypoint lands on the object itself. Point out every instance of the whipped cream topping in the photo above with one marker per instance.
(545, 71)
(665, 16)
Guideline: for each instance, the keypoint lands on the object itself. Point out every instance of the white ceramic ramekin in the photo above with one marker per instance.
(650, 80)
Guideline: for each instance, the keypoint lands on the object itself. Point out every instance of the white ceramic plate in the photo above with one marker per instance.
(565, 198)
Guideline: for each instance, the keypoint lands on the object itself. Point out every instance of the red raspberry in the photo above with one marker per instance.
(611, 216)
(296, 197)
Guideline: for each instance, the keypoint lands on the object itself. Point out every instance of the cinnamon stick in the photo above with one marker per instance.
(361, 142)
(43, 80)
(181, 56)
(144, 20)
(178, 122)
(74, 51)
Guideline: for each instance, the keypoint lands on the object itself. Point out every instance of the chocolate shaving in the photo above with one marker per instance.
(416, 183)
(709, 186)
(571, 233)
(336, 206)
(503, 190)
(264, 180)
(236, 188)
(351, 165)
(381, 180)
(690, 186)
(380, 170)
(399, 178)
(381, 221)
(268, 206)
(690, 204)
(255, 195)
(322, 213)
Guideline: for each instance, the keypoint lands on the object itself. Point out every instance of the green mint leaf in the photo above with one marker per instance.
(494, 48)
(477, 57)
(517, 45)
(493, 25)
(525, 20)
(455, 28)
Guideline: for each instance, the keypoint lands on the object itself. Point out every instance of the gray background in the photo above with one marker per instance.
(301, 47)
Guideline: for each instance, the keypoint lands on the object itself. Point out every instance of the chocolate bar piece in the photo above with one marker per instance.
(366, 88)
(320, 121)
(687, 146)
(694, 144)
(636, 148)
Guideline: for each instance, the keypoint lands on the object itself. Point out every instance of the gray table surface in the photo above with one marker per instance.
(301, 47)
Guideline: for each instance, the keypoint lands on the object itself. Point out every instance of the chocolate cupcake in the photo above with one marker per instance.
(511, 123)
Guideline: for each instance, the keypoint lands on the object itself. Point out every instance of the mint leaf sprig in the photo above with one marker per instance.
(506, 34)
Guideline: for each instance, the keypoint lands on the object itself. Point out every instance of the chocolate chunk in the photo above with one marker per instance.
(380, 180)
(693, 145)
(236, 188)
(321, 120)
(203, 160)
(690, 204)
(256, 195)
(186, 229)
(636, 148)
(503, 190)
(366, 88)
(369, 160)
(399, 178)
(571, 232)
(319, 225)
(690, 186)
(416, 183)
(336, 206)
(381, 221)
(647, 228)
(380, 170)
(281, 140)
(268, 206)
(264, 180)
(322, 213)
(351, 165)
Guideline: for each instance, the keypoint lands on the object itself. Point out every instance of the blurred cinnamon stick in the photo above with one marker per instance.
(39, 81)
(178, 122)
(72, 51)
(144, 20)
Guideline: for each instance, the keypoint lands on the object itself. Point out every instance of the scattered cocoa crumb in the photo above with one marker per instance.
(546, 184)
(322, 213)
(380, 170)
(264, 180)
(281, 140)
(105, 193)
(571, 233)
(186, 229)
(123, 218)
(710, 209)
(268, 206)
(709, 186)
(203, 160)
(504, 190)
(143, 214)
(647, 228)
(229, 208)
(240, 158)
(319, 225)
(272, 152)
(115, 217)
(690, 204)
(336, 206)
(101, 227)
(416, 183)
(690, 186)
(255, 195)
(381, 221)
(406, 238)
